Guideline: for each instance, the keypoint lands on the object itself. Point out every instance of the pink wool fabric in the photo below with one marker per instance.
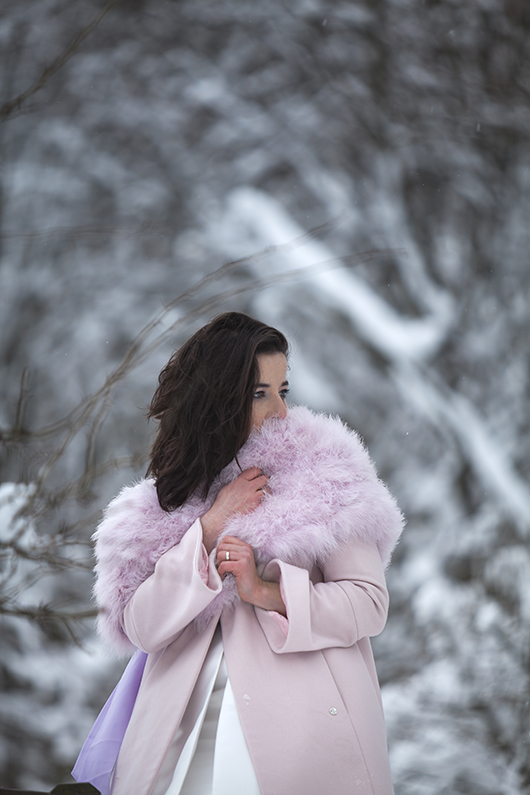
(325, 492)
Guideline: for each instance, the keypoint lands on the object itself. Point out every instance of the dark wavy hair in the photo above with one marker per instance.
(204, 404)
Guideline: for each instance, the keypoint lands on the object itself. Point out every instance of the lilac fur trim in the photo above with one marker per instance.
(325, 492)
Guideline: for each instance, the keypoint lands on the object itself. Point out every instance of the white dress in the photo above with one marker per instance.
(209, 754)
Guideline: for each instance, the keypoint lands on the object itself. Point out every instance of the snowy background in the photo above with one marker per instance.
(356, 172)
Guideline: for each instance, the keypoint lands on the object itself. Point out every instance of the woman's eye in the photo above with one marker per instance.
(259, 394)
(284, 393)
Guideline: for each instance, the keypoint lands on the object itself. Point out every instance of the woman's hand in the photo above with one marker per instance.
(237, 557)
(242, 495)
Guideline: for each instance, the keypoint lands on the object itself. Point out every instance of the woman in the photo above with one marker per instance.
(249, 568)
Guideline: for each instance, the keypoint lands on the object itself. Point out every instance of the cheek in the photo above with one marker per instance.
(257, 416)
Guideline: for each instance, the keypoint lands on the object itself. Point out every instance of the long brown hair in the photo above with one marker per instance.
(204, 404)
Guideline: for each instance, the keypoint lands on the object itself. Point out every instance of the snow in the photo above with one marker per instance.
(183, 136)
(15, 528)
(267, 224)
(486, 454)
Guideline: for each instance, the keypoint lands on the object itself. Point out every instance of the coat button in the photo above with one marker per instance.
(333, 711)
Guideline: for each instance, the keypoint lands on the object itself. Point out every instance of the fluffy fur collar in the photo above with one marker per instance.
(325, 492)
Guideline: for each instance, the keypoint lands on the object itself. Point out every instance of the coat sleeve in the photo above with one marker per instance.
(350, 603)
(167, 601)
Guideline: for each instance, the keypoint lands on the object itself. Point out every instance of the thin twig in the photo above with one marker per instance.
(8, 108)
(80, 232)
(46, 613)
(79, 414)
(22, 400)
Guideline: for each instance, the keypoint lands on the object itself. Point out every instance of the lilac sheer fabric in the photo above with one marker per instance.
(99, 753)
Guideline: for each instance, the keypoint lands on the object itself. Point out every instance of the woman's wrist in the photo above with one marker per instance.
(210, 530)
(268, 597)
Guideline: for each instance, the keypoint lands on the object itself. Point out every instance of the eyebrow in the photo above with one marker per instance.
(267, 386)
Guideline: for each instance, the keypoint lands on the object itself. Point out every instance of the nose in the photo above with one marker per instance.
(279, 409)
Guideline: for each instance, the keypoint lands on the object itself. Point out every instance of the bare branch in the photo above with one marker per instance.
(85, 232)
(22, 400)
(79, 415)
(46, 615)
(13, 105)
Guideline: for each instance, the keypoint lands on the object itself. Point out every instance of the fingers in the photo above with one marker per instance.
(232, 550)
(234, 546)
(262, 484)
(230, 542)
(256, 480)
(241, 564)
(241, 496)
(226, 556)
(253, 473)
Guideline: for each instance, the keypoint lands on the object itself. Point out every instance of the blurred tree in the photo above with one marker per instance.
(184, 133)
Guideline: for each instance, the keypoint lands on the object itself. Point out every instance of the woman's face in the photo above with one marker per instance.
(271, 390)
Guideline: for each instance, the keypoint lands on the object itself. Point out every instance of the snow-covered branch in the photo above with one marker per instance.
(491, 463)
(262, 221)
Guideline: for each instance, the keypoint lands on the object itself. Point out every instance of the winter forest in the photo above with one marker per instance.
(355, 172)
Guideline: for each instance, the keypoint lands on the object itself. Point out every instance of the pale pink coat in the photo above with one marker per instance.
(309, 702)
